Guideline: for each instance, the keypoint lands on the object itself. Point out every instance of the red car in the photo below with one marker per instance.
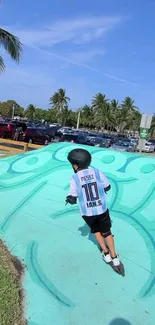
(34, 135)
(7, 130)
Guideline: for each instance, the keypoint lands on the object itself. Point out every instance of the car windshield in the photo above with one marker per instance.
(104, 141)
(69, 137)
(125, 140)
(122, 144)
(96, 140)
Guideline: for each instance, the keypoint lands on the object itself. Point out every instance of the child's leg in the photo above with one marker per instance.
(113, 254)
(105, 226)
(92, 222)
(110, 243)
(101, 241)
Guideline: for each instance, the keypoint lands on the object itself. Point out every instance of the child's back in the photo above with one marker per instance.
(88, 184)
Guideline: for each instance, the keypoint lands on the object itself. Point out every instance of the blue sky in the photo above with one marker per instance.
(85, 47)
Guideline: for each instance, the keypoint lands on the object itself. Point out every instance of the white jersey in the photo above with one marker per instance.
(88, 185)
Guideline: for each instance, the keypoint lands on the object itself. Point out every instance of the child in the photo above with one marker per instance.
(90, 185)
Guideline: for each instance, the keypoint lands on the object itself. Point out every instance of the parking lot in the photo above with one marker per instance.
(40, 134)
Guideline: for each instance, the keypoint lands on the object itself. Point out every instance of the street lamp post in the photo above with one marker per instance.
(78, 121)
(13, 111)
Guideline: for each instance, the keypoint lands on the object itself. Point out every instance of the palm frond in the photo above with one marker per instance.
(11, 44)
(2, 65)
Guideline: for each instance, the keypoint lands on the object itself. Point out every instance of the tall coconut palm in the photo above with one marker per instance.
(12, 45)
(127, 113)
(30, 112)
(100, 105)
(59, 102)
(114, 105)
(87, 116)
(129, 105)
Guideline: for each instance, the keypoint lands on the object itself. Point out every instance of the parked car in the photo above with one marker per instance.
(64, 130)
(134, 139)
(105, 143)
(124, 146)
(112, 138)
(94, 140)
(126, 140)
(7, 130)
(152, 141)
(35, 135)
(148, 147)
(91, 135)
(49, 131)
(75, 138)
(56, 130)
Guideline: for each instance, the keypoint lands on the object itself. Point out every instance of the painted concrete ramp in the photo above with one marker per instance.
(66, 281)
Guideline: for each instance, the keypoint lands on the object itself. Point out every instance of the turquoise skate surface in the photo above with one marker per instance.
(66, 281)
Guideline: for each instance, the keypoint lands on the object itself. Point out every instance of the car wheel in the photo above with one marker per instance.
(4, 136)
(30, 140)
(46, 142)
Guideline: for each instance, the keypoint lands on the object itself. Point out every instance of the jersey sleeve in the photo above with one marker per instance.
(73, 188)
(105, 180)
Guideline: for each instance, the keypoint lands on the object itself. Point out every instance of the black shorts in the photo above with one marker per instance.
(100, 223)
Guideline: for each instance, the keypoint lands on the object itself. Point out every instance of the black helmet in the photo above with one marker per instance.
(79, 157)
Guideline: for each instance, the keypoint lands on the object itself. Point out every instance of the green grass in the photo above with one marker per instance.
(11, 292)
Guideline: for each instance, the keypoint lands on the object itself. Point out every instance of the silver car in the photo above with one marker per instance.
(124, 146)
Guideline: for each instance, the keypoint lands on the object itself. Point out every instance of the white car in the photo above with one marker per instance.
(149, 147)
(65, 130)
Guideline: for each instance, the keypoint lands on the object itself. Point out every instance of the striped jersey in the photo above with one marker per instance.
(88, 185)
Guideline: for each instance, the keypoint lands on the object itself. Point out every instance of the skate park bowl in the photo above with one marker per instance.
(66, 282)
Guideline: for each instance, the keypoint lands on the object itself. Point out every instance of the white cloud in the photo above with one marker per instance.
(84, 30)
(73, 31)
(85, 66)
(83, 56)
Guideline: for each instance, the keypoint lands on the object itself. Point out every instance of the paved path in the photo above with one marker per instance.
(66, 281)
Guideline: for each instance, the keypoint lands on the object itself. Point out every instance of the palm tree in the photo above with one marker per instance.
(100, 105)
(114, 105)
(59, 102)
(59, 99)
(12, 45)
(87, 116)
(65, 115)
(126, 114)
(129, 105)
(30, 112)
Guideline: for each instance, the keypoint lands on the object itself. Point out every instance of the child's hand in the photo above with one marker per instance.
(71, 199)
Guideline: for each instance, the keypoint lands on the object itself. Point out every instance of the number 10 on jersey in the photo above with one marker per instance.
(91, 191)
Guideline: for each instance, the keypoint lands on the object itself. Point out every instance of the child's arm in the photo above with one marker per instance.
(73, 193)
(105, 182)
